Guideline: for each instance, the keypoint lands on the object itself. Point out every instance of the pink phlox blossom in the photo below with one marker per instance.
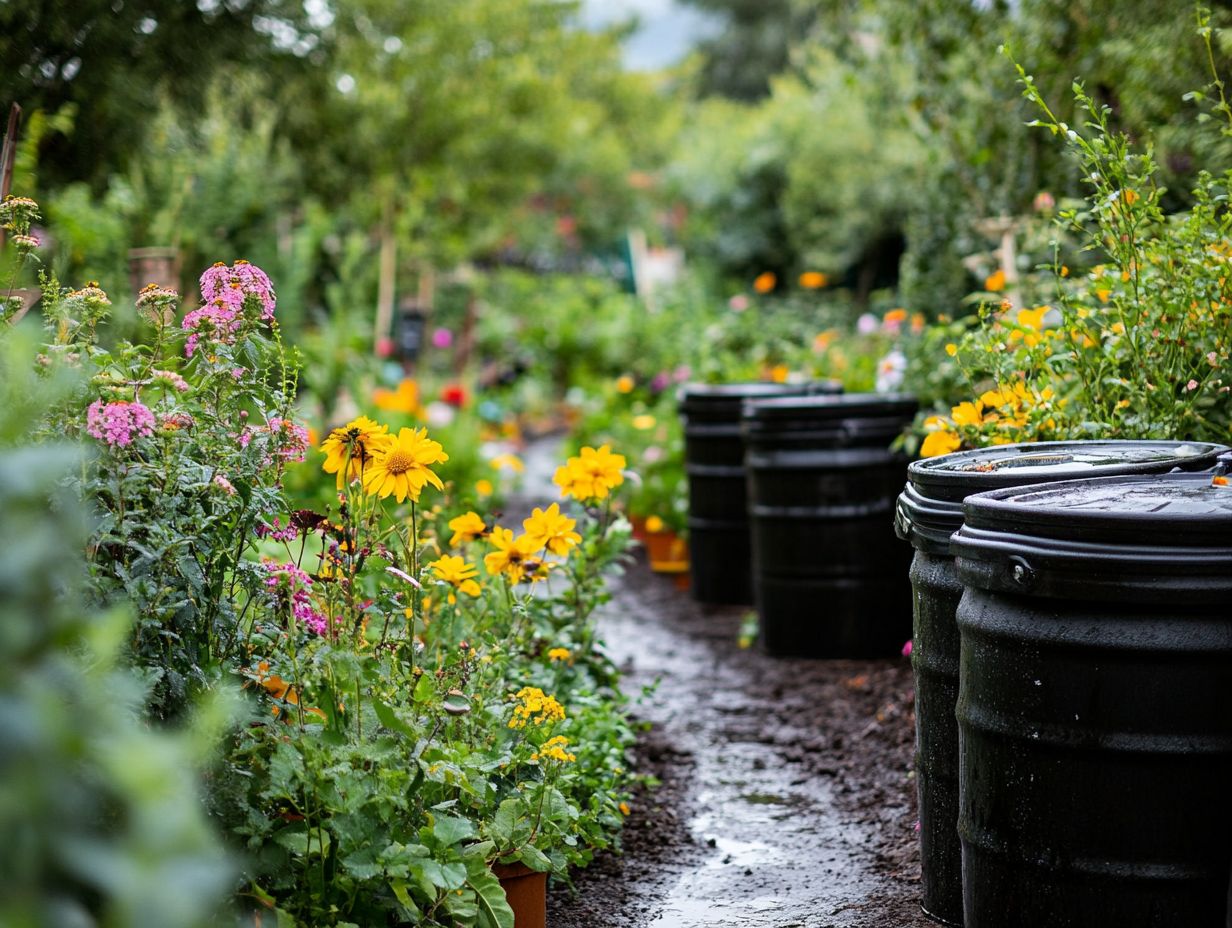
(224, 484)
(216, 319)
(117, 423)
(311, 619)
(275, 531)
(288, 581)
(171, 379)
(290, 438)
(237, 282)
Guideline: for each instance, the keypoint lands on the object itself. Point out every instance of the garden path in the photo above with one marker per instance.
(786, 799)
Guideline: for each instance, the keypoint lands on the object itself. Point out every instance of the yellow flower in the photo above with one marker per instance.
(535, 706)
(644, 422)
(554, 749)
(550, 529)
(483, 487)
(779, 373)
(511, 461)
(512, 557)
(405, 399)
(559, 654)
(592, 474)
(940, 442)
(624, 808)
(993, 399)
(765, 282)
(995, 282)
(1129, 196)
(654, 524)
(349, 449)
(951, 349)
(967, 414)
(813, 280)
(1033, 318)
(402, 466)
(624, 384)
(457, 573)
(466, 528)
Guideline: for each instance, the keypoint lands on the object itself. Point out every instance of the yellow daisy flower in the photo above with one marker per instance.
(401, 467)
(349, 449)
(550, 529)
(466, 528)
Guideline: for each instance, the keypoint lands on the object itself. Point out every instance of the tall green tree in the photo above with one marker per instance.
(110, 62)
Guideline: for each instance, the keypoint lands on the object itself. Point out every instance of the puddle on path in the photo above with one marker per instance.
(778, 852)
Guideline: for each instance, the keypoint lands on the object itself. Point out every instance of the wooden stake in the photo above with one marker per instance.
(8, 156)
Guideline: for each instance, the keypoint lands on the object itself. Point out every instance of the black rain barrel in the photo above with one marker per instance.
(829, 578)
(720, 558)
(929, 511)
(1095, 703)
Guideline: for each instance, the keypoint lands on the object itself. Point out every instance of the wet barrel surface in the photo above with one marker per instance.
(829, 578)
(928, 512)
(1095, 703)
(720, 552)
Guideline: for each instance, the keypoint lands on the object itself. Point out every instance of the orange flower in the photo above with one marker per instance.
(895, 317)
(813, 280)
(995, 282)
(405, 399)
(765, 282)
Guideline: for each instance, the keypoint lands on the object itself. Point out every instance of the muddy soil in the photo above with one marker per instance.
(786, 796)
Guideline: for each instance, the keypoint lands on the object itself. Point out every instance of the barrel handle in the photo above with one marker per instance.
(1023, 573)
(1222, 465)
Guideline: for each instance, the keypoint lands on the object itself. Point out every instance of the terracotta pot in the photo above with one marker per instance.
(669, 554)
(527, 893)
(639, 527)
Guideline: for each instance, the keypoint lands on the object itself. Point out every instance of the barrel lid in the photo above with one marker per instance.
(724, 400)
(1159, 537)
(930, 508)
(842, 406)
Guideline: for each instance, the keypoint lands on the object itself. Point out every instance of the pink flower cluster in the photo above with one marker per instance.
(171, 379)
(296, 586)
(117, 423)
(223, 291)
(290, 439)
(276, 531)
(223, 283)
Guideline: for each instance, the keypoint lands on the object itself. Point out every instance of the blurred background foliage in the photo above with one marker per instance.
(865, 139)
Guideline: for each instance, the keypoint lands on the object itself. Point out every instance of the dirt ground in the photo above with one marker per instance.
(786, 798)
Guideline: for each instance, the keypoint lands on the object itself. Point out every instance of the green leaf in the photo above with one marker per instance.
(494, 910)
(390, 719)
(442, 876)
(404, 897)
(504, 821)
(450, 829)
(424, 689)
(478, 851)
(535, 858)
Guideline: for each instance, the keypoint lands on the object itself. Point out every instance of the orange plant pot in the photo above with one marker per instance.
(527, 893)
(667, 552)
